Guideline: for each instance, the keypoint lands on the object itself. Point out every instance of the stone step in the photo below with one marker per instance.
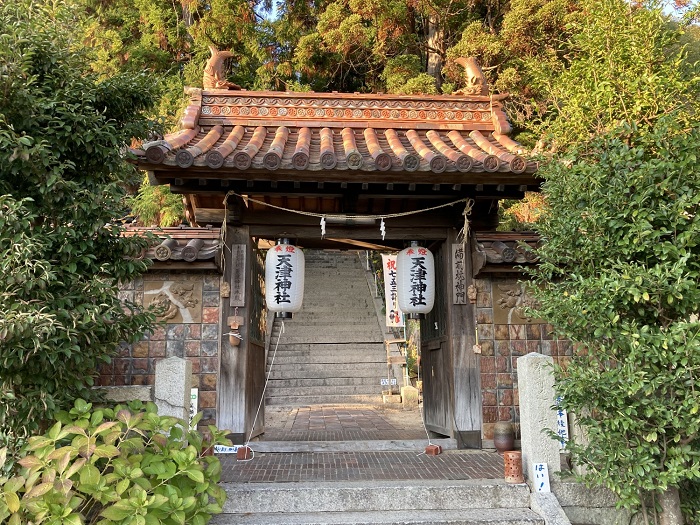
(356, 496)
(318, 381)
(340, 348)
(314, 371)
(329, 319)
(327, 324)
(330, 360)
(403, 517)
(323, 337)
(320, 337)
(336, 304)
(356, 399)
(350, 390)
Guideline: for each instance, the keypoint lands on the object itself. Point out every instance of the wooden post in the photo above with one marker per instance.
(235, 397)
(465, 363)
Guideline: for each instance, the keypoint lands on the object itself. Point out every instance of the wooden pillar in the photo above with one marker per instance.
(240, 367)
(461, 329)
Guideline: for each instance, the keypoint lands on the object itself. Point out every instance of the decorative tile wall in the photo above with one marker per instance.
(190, 329)
(505, 333)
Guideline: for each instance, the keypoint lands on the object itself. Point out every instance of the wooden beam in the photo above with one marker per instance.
(351, 177)
(364, 234)
(209, 215)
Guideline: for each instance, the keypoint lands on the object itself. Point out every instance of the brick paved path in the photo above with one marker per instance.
(341, 423)
(354, 466)
(353, 423)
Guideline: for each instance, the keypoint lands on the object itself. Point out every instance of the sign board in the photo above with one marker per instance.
(459, 275)
(394, 316)
(237, 275)
(540, 477)
(223, 449)
(385, 381)
(194, 403)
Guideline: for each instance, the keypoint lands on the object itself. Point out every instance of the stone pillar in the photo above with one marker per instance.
(536, 393)
(173, 385)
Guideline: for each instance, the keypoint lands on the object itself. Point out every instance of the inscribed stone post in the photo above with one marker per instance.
(537, 417)
(173, 385)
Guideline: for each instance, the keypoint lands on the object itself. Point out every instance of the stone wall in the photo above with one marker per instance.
(505, 333)
(190, 329)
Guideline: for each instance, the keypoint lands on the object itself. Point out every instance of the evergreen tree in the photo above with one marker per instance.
(620, 263)
(61, 176)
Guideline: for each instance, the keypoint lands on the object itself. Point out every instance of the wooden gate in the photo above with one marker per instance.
(450, 369)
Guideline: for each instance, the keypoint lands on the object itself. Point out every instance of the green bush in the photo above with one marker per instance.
(115, 466)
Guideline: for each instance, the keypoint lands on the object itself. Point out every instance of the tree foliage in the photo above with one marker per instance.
(61, 174)
(621, 259)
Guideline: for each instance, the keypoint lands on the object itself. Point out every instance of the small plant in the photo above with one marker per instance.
(115, 466)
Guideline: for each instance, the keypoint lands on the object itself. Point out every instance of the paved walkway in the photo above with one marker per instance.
(353, 423)
(355, 466)
(341, 423)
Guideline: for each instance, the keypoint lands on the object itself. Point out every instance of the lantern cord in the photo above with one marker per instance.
(262, 396)
(469, 203)
(427, 434)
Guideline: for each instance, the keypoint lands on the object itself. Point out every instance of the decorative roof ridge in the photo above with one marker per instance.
(337, 94)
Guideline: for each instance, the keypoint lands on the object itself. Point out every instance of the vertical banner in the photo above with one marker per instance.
(459, 276)
(394, 316)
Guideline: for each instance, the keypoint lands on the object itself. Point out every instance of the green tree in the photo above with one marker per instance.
(61, 172)
(621, 261)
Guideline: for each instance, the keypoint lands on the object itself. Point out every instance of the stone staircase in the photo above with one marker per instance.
(333, 350)
(420, 502)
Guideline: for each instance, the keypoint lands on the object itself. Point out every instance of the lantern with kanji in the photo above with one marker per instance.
(284, 279)
(415, 269)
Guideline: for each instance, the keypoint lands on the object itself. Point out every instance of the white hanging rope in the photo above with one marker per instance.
(463, 234)
(346, 216)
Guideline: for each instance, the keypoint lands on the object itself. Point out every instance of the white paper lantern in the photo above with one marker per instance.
(284, 278)
(415, 269)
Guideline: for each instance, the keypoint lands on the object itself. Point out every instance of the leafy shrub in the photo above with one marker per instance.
(115, 466)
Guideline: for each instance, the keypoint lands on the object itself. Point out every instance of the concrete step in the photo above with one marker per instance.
(356, 399)
(356, 496)
(404, 517)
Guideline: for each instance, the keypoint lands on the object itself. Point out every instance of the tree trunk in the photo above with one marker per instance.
(671, 507)
(435, 41)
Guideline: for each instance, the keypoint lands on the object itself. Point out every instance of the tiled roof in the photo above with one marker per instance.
(182, 245)
(499, 251)
(242, 131)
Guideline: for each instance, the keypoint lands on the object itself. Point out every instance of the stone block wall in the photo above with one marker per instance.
(505, 334)
(189, 329)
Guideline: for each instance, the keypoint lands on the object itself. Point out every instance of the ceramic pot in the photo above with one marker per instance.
(503, 436)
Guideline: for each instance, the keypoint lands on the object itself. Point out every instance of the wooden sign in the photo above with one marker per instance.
(238, 269)
(459, 275)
